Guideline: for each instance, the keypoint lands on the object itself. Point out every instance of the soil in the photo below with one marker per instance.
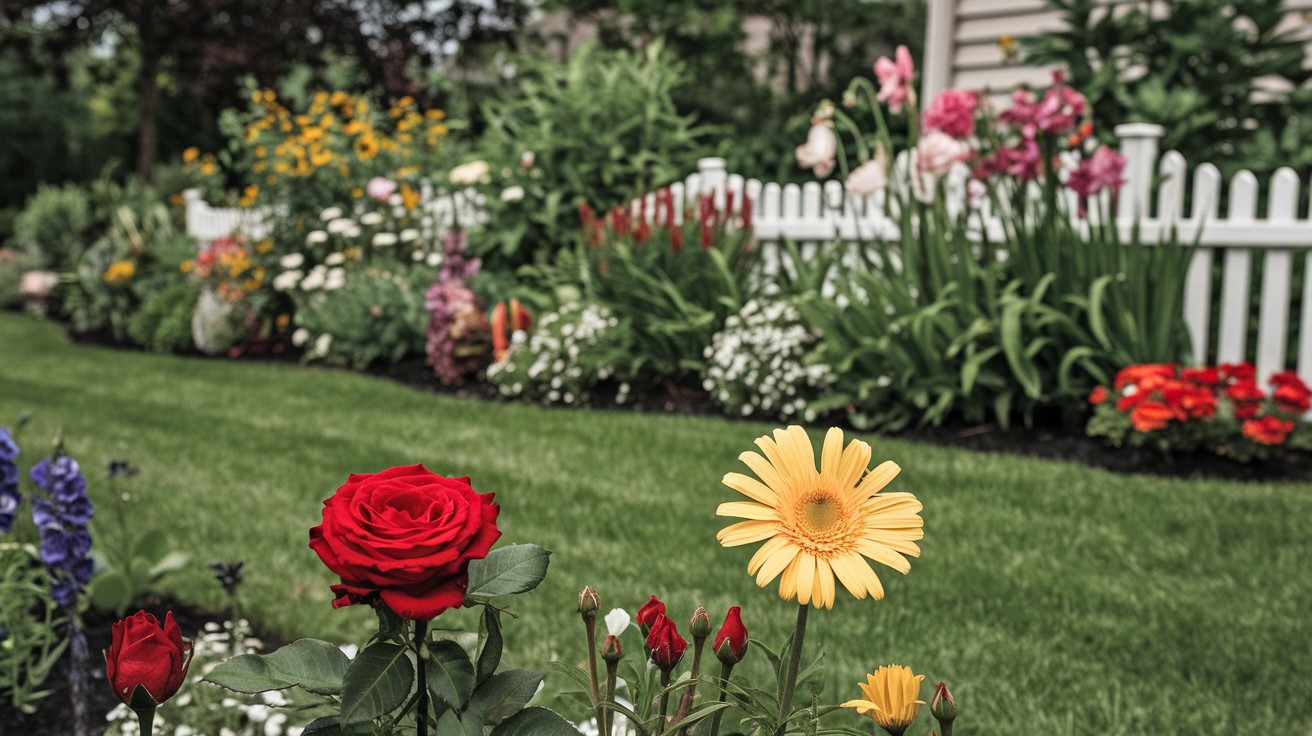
(53, 716)
(1047, 439)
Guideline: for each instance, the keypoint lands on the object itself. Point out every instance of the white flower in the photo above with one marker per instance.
(335, 259)
(273, 726)
(340, 225)
(322, 345)
(332, 213)
(385, 239)
(371, 218)
(617, 621)
(314, 280)
(396, 200)
(526, 160)
(434, 259)
(291, 260)
(474, 172)
(820, 149)
(409, 234)
(937, 151)
(353, 231)
(286, 280)
(869, 177)
(316, 236)
(512, 194)
(418, 255)
(335, 280)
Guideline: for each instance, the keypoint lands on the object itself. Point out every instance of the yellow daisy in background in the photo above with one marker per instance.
(892, 698)
(820, 525)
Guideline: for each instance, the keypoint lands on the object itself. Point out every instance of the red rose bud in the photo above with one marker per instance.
(146, 660)
(943, 707)
(650, 612)
(589, 602)
(731, 643)
(611, 651)
(666, 645)
(700, 626)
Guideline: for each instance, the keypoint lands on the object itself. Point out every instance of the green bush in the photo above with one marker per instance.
(600, 128)
(376, 314)
(163, 323)
(53, 225)
(33, 630)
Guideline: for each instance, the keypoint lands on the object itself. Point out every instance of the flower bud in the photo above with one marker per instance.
(652, 610)
(700, 624)
(589, 602)
(611, 651)
(943, 707)
(666, 645)
(731, 643)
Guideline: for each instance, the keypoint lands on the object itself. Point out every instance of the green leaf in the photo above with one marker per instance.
(450, 674)
(535, 721)
(333, 726)
(171, 562)
(489, 649)
(376, 683)
(314, 665)
(449, 725)
(518, 568)
(111, 591)
(504, 694)
(152, 545)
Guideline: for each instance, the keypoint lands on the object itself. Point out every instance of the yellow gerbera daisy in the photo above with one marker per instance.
(892, 698)
(818, 525)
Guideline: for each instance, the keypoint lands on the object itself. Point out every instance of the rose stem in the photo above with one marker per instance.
(146, 719)
(794, 662)
(612, 674)
(421, 721)
(725, 670)
(665, 699)
(590, 627)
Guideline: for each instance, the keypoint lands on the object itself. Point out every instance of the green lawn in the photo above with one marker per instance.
(1055, 599)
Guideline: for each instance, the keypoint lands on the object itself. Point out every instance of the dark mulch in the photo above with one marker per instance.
(54, 717)
(1047, 439)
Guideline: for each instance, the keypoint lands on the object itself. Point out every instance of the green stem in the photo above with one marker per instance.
(590, 626)
(794, 664)
(685, 703)
(725, 670)
(421, 718)
(612, 674)
(146, 717)
(945, 727)
(665, 701)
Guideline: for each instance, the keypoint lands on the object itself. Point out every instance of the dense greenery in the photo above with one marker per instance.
(1045, 594)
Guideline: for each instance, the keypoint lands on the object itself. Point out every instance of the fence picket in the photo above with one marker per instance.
(1232, 338)
(1170, 197)
(1277, 267)
(1198, 282)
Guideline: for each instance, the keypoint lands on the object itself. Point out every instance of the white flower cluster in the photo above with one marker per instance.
(569, 351)
(758, 365)
(205, 710)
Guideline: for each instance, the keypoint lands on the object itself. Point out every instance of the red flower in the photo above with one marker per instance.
(1150, 416)
(1268, 430)
(731, 643)
(1247, 398)
(1238, 372)
(666, 645)
(1189, 401)
(519, 319)
(1136, 374)
(1291, 394)
(142, 654)
(1202, 376)
(1098, 395)
(651, 611)
(405, 535)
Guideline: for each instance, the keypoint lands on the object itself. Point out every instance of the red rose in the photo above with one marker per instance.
(649, 614)
(1150, 415)
(406, 535)
(1268, 430)
(731, 643)
(142, 654)
(666, 645)
(1097, 395)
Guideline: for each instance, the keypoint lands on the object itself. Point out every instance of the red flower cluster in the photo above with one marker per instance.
(666, 646)
(1156, 394)
(641, 225)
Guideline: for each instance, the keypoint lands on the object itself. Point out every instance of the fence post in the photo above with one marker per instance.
(1139, 146)
(714, 177)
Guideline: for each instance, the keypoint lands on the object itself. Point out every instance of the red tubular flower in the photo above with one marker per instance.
(676, 238)
(731, 643)
(665, 643)
(1150, 416)
(1268, 430)
(146, 659)
(650, 612)
(1098, 395)
(747, 212)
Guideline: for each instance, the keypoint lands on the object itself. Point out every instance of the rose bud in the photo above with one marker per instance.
(649, 613)
(611, 651)
(700, 624)
(146, 663)
(666, 645)
(731, 643)
(943, 707)
(589, 602)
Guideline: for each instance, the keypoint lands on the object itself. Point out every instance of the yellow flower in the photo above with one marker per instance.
(185, 266)
(435, 114)
(820, 525)
(892, 698)
(338, 99)
(261, 151)
(356, 192)
(409, 197)
(1010, 49)
(312, 134)
(208, 168)
(268, 96)
(191, 154)
(249, 196)
(283, 321)
(120, 271)
(263, 247)
(366, 146)
(177, 200)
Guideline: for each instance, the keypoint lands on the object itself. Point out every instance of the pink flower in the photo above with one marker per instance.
(1024, 108)
(1062, 106)
(870, 176)
(1102, 170)
(1022, 161)
(820, 149)
(37, 284)
(952, 112)
(380, 188)
(895, 79)
(937, 151)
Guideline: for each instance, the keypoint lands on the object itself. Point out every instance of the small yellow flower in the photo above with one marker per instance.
(353, 253)
(1010, 49)
(186, 266)
(177, 200)
(264, 247)
(321, 157)
(261, 151)
(366, 146)
(283, 321)
(338, 99)
(820, 525)
(191, 154)
(248, 196)
(268, 96)
(356, 192)
(270, 179)
(892, 698)
(435, 114)
(120, 271)
(409, 197)
(208, 168)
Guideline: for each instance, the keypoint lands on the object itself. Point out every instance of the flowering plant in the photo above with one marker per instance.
(1220, 409)
(562, 360)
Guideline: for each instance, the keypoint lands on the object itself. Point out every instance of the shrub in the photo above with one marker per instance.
(163, 323)
(375, 313)
(565, 356)
(52, 225)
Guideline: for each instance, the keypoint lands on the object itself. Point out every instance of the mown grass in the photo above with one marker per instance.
(1055, 599)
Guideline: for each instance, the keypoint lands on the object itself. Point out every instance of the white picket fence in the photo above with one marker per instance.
(1224, 262)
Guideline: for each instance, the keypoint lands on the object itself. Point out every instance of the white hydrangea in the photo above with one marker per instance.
(757, 365)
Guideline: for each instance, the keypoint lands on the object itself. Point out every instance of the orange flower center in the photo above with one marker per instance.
(821, 522)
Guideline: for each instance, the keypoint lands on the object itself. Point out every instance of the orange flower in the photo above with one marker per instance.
(1098, 395)
(1136, 374)
(1268, 430)
(1150, 416)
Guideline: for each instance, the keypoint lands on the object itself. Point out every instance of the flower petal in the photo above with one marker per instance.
(746, 532)
(747, 510)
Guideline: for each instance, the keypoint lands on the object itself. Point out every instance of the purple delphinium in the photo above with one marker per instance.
(62, 521)
(455, 318)
(10, 498)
